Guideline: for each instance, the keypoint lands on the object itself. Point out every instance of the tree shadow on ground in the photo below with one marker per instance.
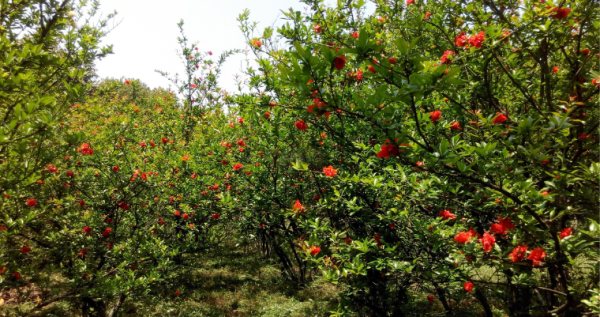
(231, 281)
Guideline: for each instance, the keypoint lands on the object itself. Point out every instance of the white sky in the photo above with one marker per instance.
(146, 39)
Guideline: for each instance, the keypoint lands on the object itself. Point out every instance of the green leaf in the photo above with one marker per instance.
(451, 74)
(401, 45)
(461, 166)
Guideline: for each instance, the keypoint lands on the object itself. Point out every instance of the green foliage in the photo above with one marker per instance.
(513, 139)
(400, 155)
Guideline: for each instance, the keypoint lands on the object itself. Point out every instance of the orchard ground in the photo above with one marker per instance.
(231, 280)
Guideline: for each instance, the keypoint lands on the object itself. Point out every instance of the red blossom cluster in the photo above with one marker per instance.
(84, 149)
(502, 226)
(339, 62)
(475, 41)
(446, 214)
(561, 13)
(300, 125)
(388, 149)
(314, 250)
(447, 57)
(329, 171)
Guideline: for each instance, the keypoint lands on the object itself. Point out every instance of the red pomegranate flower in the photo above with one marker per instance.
(566, 232)
(314, 250)
(31, 202)
(561, 13)
(477, 39)
(462, 237)
(499, 119)
(435, 116)
(468, 287)
(388, 150)
(87, 230)
(446, 214)
(123, 205)
(298, 206)
(455, 126)
(447, 57)
(488, 242)
(506, 223)
(25, 249)
(498, 229)
(518, 253)
(377, 238)
(329, 171)
(238, 166)
(84, 149)
(537, 256)
(339, 62)
(301, 125)
(461, 40)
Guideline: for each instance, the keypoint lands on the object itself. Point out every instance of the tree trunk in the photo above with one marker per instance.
(486, 307)
(377, 293)
(113, 312)
(92, 308)
(523, 301)
(442, 295)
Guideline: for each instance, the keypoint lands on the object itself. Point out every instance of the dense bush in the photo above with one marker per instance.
(449, 147)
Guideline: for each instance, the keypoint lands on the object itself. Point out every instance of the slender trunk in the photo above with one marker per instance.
(523, 301)
(400, 303)
(93, 308)
(442, 295)
(288, 268)
(510, 293)
(301, 266)
(113, 312)
(553, 285)
(486, 307)
(377, 293)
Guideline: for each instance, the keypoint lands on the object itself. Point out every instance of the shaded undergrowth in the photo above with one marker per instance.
(226, 281)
